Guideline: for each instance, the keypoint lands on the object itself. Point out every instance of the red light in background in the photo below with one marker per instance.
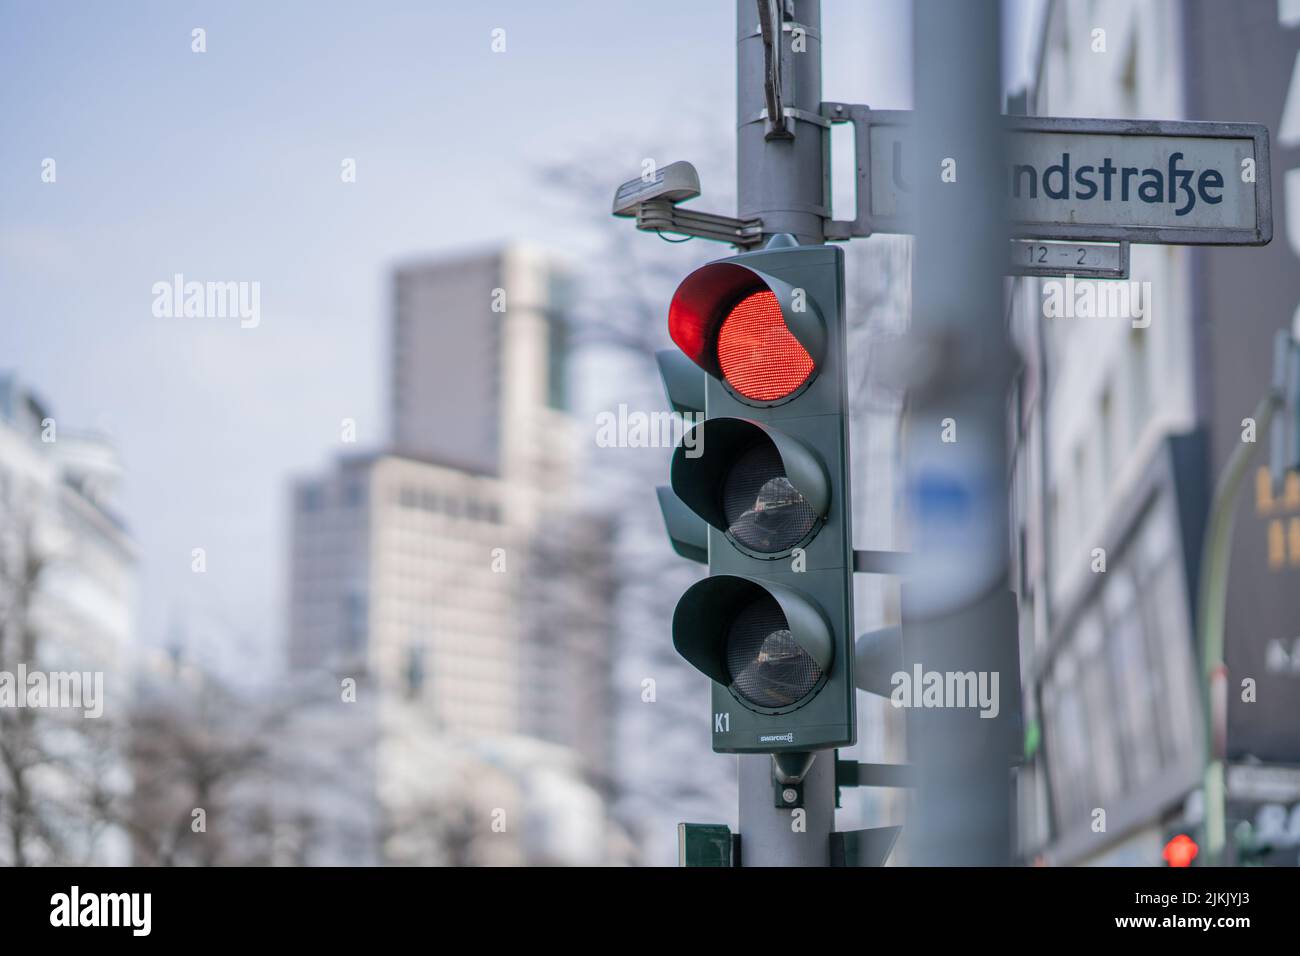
(1181, 850)
(759, 357)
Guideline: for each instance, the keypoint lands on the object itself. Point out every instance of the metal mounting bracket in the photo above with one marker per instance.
(851, 774)
(660, 215)
(788, 772)
(860, 117)
(880, 562)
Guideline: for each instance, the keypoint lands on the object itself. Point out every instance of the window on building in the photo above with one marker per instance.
(1083, 497)
(1131, 672)
(355, 621)
(1128, 79)
(415, 672)
(1167, 625)
(1070, 738)
(1099, 701)
(1138, 384)
(557, 341)
(1059, 533)
(1106, 415)
(1062, 43)
(311, 498)
(1022, 561)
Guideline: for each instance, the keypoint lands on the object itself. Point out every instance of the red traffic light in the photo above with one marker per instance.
(758, 356)
(1181, 850)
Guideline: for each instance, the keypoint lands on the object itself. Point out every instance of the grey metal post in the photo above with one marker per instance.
(783, 181)
(1216, 553)
(957, 613)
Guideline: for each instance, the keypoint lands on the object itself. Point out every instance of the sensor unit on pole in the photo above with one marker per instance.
(676, 182)
(652, 200)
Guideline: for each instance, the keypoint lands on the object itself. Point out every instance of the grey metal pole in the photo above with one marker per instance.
(957, 613)
(1216, 554)
(783, 181)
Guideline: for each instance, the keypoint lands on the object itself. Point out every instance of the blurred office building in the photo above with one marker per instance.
(450, 567)
(1121, 427)
(67, 577)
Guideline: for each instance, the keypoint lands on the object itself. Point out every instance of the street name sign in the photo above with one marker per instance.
(1144, 181)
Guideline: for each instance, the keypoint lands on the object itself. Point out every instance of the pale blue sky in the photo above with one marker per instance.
(225, 166)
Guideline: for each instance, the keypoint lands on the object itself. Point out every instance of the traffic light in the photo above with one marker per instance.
(765, 477)
(1180, 850)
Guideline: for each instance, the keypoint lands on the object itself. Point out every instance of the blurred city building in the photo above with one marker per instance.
(1120, 430)
(456, 569)
(67, 575)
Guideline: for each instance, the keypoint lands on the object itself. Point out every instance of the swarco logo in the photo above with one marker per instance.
(776, 738)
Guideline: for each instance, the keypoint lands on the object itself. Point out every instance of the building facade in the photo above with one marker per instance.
(1121, 425)
(445, 567)
(67, 589)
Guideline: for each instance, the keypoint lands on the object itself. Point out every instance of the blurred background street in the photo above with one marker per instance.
(366, 584)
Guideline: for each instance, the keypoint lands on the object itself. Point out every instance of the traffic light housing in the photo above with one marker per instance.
(765, 477)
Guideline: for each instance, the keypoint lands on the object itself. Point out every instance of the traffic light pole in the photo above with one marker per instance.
(781, 176)
(1211, 601)
(781, 179)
